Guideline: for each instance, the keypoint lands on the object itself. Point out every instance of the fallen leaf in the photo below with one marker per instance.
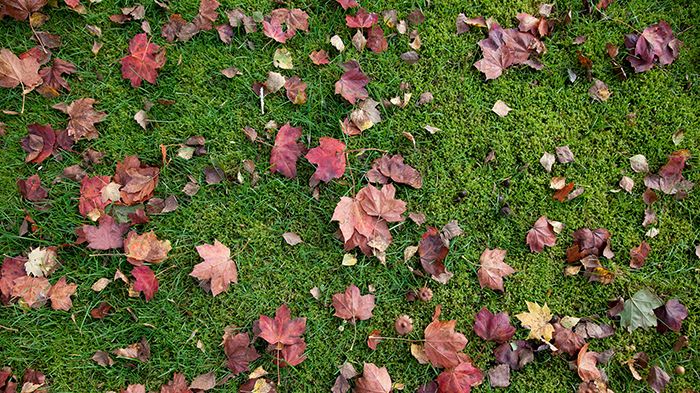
(286, 151)
(107, 235)
(351, 84)
(537, 320)
(239, 352)
(143, 62)
(393, 168)
(41, 261)
(137, 351)
(564, 154)
(204, 382)
(671, 316)
(638, 255)
(146, 281)
(218, 270)
(566, 340)
(443, 345)
(656, 44)
(351, 306)
(638, 311)
(507, 47)
(657, 379)
(599, 91)
(499, 376)
(627, 184)
(501, 108)
(292, 238)
(329, 157)
(34, 291)
(547, 161)
(102, 358)
(586, 365)
(460, 378)
(53, 76)
(282, 58)
(31, 188)
(40, 143)
(493, 327)
(60, 294)
(515, 354)
(541, 235)
(15, 71)
(296, 90)
(82, 118)
(493, 269)
(145, 248)
(373, 380)
(433, 250)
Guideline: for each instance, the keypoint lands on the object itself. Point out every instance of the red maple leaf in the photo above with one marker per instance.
(286, 151)
(207, 14)
(443, 345)
(143, 62)
(282, 330)
(507, 47)
(329, 156)
(566, 340)
(393, 168)
(351, 84)
(459, 379)
(82, 118)
(493, 327)
(21, 9)
(31, 188)
(382, 203)
(362, 19)
(319, 57)
(40, 143)
(90, 202)
(352, 307)
(373, 380)
(177, 385)
(107, 235)
(347, 3)
(542, 234)
(493, 269)
(33, 290)
(218, 269)
(138, 181)
(146, 281)
(432, 250)
(12, 268)
(376, 40)
(239, 352)
(53, 76)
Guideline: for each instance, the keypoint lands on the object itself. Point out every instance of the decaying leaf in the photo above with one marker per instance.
(218, 270)
(352, 306)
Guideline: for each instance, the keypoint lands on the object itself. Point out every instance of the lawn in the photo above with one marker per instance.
(641, 117)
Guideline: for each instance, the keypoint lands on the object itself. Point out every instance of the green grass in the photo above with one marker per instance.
(548, 112)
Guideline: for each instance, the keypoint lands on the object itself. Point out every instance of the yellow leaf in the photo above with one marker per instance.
(537, 320)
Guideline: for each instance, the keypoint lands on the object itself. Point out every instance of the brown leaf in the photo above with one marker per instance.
(34, 291)
(15, 71)
(373, 380)
(60, 294)
(204, 382)
(493, 269)
(82, 118)
(638, 255)
(542, 234)
(351, 306)
(138, 351)
(507, 47)
(31, 188)
(102, 358)
(145, 248)
(443, 345)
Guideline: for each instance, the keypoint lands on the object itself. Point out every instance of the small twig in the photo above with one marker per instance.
(166, 269)
(278, 368)
(107, 255)
(38, 39)
(262, 101)
(9, 329)
(354, 335)
(364, 149)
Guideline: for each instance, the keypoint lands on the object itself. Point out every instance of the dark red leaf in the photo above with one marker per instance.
(146, 281)
(670, 316)
(40, 143)
(493, 327)
(143, 62)
(432, 250)
(329, 156)
(286, 152)
(31, 188)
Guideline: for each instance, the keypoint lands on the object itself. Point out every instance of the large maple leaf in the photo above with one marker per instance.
(329, 156)
(382, 203)
(218, 270)
(286, 151)
(60, 294)
(507, 47)
(373, 380)
(351, 306)
(82, 118)
(493, 327)
(143, 62)
(40, 143)
(282, 330)
(145, 248)
(638, 311)
(351, 84)
(542, 234)
(239, 352)
(443, 345)
(493, 269)
(656, 43)
(138, 181)
(15, 71)
(459, 379)
(34, 291)
(21, 9)
(146, 281)
(107, 235)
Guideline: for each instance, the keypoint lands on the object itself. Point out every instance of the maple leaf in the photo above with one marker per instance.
(373, 380)
(286, 151)
(60, 294)
(638, 255)
(90, 203)
(638, 311)
(138, 181)
(239, 352)
(656, 43)
(329, 156)
(493, 327)
(657, 379)
(145, 248)
(432, 250)
(586, 365)
(515, 354)
(459, 379)
(566, 340)
(12, 268)
(207, 14)
(81, 118)
(177, 385)
(41, 261)
(381, 203)
(362, 19)
(33, 290)
(106, 235)
(134, 388)
(393, 168)
(493, 269)
(362, 118)
(347, 3)
(138, 351)
(376, 40)
(179, 28)
(53, 76)
(15, 71)
(218, 269)
(319, 57)
(505, 48)
(282, 329)
(296, 90)
(537, 320)
(31, 188)
(670, 179)
(352, 307)
(143, 62)
(146, 281)
(442, 343)
(40, 143)
(21, 9)
(295, 19)
(538, 27)
(351, 84)
(542, 234)
(671, 315)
